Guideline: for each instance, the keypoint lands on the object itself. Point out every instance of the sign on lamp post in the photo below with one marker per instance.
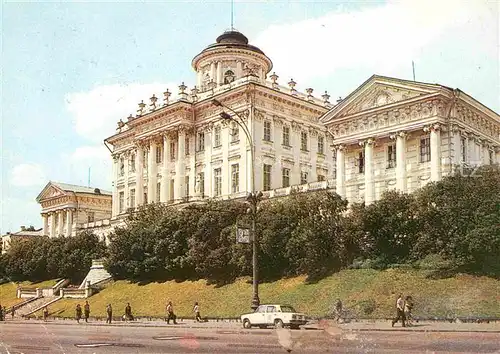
(242, 235)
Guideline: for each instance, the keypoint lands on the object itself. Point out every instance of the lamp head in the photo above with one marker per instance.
(225, 116)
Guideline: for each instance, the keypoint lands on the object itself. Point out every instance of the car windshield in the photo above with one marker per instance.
(287, 309)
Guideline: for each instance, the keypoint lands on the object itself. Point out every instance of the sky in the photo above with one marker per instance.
(71, 70)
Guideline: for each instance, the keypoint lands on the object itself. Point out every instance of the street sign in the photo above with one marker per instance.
(242, 235)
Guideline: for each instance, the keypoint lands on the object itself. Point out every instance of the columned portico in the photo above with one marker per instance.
(435, 140)
(340, 170)
(401, 161)
(180, 172)
(369, 169)
(152, 172)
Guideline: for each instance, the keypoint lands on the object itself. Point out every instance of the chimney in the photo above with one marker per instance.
(23, 228)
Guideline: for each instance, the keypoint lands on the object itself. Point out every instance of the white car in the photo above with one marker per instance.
(274, 315)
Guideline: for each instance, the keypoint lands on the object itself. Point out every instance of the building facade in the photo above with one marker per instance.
(388, 134)
(67, 208)
(23, 234)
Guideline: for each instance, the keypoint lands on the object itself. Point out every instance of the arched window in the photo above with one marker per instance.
(229, 77)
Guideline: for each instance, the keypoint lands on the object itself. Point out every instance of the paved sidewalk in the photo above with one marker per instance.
(362, 325)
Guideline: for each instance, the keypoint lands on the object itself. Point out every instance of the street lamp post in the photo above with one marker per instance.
(253, 198)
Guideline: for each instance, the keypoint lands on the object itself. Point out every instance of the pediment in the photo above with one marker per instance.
(50, 191)
(379, 91)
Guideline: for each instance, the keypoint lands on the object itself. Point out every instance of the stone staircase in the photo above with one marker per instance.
(96, 275)
(33, 305)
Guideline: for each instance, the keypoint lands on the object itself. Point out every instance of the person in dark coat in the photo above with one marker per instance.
(45, 313)
(78, 313)
(86, 311)
(109, 312)
(128, 313)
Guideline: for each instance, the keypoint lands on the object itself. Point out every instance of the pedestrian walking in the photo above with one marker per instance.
(170, 313)
(13, 312)
(400, 314)
(45, 313)
(86, 311)
(338, 310)
(407, 310)
(78, 313)
(1, 313)
(109, 312)
(196, 310)
(128, 313)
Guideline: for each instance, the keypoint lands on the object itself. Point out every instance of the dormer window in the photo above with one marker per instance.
(229, 77)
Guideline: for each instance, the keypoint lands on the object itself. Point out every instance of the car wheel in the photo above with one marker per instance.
(246, 323)
(278, 323)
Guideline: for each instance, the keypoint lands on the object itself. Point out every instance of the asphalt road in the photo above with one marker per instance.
(50, 338)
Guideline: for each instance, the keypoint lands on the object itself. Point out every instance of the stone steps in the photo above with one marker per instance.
(96, 275)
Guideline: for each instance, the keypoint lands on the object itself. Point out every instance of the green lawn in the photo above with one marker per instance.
(360, 290)
(8, 291)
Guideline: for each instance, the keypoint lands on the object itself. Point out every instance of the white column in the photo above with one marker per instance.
(486, 154)
(52, 224)
(238, 70)
(139, 176)
(208, 163)
(165, 175)
(340, 171)
(114, 199)
(212, 71)
(60, 223)
(45, 221)
(226, 169)
(219, 73)
(180, 171)
(457, 147)
(152, 172)
(401, 162)
(69, 222)
(435, 139)
(125, 183)
(296, 142)
(369, 167)
(192, 166)
(496, 155)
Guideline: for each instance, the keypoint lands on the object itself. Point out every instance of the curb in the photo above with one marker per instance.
(421, 330)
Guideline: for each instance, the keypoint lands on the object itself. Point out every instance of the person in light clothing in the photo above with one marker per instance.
(196, 310)
(400, 314)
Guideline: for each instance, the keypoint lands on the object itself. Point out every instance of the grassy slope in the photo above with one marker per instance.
(8, 291)
(462, 295)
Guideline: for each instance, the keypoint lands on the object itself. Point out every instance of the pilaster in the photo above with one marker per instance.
(369, 169)
(180, 172)
(152, 172)
(139, 175)
(340, 170)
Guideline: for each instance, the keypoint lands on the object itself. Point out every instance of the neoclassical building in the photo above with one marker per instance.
(66, 208)
(387, 134)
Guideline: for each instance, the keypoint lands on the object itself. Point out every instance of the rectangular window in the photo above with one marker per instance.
(267, 177)
(132, 198)
(172, 151)
(217, 136)
(159, 154)
(303, 177)
(361, 162)
(303, 141)
(202, 183)
(321, 178)
(286, 135)
(425, 149)
(217, 182)
(186, 147)
(158, 192)
(267, 130)
(235, 178)
(200, 142)
(145, 195)
(463, 146)
(235, 133)
(132, 163)
(121, 202)
(186, 183)
(391, 156)
(321, 145)
(285, 177)
(91, 216)
(492, 162)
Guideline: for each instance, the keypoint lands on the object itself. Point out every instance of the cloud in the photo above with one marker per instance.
(27, 175)
(377, 38)
(12, 219)
(96, 112)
